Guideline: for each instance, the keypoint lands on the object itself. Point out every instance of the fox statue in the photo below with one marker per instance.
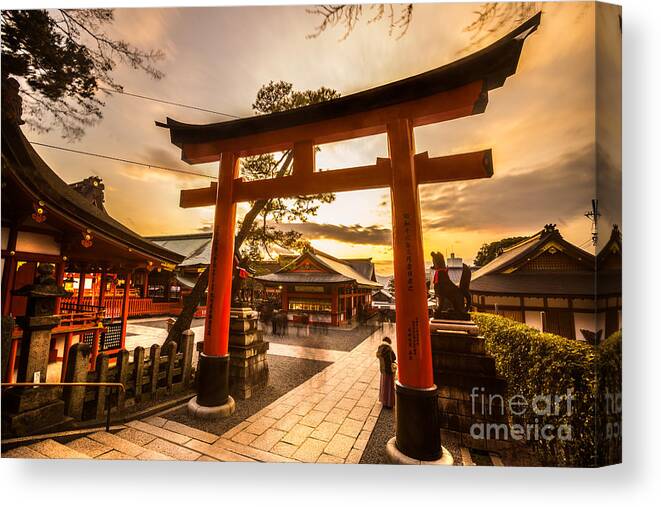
(444, 288)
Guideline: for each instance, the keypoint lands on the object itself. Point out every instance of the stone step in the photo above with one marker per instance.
(456, 342)
(89, 447)
(476, 364)
(171, 436)
(465, 382)
(493, 409)
(54, 450)
(117, 443)
(24, 452)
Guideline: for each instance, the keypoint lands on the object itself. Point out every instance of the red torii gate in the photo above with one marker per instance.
(449, 92)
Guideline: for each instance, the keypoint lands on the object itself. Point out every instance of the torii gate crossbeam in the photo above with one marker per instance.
(453, 91)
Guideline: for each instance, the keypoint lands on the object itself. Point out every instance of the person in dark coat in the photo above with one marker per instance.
(388, 366)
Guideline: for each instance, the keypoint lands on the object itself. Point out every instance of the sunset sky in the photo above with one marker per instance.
(540, 125)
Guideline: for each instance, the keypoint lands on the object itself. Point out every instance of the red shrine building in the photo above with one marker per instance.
(323, 288)
(106, 266)
(548, 283)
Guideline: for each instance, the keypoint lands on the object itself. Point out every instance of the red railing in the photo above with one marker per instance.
(138, 307)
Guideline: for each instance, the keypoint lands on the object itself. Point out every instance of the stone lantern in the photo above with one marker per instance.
(29, 409)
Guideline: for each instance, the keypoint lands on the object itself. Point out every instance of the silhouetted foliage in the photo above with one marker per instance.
(489, 251)
(62, 58)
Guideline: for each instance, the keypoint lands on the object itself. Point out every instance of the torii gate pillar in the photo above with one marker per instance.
(418, 427)
(213, 400)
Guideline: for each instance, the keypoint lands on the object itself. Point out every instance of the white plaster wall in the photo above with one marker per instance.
(584, 321)
(534, 319)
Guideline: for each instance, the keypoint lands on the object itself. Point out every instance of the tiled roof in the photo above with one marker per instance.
(339, 271)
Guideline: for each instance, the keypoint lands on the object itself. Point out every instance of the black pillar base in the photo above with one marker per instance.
(418, 424)
(213, 380)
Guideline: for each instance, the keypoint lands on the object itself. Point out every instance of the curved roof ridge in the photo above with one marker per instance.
(36, 176)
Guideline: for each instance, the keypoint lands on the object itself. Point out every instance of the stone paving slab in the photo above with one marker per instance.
(117, 443)
(115, 455)
(136, 436)
(150, 455)
(182, 429)
(89, 447)
(176, 438)
(24, 452)
(220, 453)
(173, 450)
(54, 450)
(327, 419)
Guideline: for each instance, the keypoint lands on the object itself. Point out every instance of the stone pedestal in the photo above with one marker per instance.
(28, 410)
(249, 369)
(470, 391)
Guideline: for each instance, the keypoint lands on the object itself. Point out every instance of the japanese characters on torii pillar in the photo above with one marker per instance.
(453, 91)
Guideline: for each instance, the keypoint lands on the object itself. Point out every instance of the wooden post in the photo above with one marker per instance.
(171, 353)
(334, 321)
(65, 357)
(187, 343)
(81, 286)
(125, 306)
(9, 272)
(139, 366)
(418, 434)
(102, 288)
(304, 159)
(145, 286)
(59, 279)
(96, 347)
(123, 372)
(155, 360)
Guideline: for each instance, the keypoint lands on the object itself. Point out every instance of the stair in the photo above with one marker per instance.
(154, 438)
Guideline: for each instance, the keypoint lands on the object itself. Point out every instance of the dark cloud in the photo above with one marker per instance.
(370, 235)
(556, 192)
(166, 157)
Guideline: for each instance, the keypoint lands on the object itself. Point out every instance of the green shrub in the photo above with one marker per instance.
(537, 364)
(609, 404)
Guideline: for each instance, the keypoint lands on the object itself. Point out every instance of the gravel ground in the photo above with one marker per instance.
(163, 324)
(329, 339)
(384, 430)
(285, 373)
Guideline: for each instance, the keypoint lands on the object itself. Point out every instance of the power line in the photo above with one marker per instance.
(178, 104)
(117, 159)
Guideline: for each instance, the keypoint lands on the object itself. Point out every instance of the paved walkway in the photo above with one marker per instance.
(327, 419)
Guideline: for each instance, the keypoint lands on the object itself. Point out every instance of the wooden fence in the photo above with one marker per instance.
(147, 376)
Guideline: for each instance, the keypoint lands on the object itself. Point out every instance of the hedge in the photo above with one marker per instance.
(543, 367)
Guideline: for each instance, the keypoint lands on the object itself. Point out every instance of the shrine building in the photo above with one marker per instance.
(325, 289)
(104, 265)
(549, 284)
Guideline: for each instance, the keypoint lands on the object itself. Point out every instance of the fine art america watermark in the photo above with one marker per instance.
(538, 408)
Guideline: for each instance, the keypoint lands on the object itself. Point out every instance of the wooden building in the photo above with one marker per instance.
(552, 285)
(103, 263)
(324, 289)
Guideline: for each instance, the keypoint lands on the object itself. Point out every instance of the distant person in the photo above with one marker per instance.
(388, 367)
(274, 322)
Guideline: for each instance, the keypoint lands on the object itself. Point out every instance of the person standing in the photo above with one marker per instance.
(388, 367)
